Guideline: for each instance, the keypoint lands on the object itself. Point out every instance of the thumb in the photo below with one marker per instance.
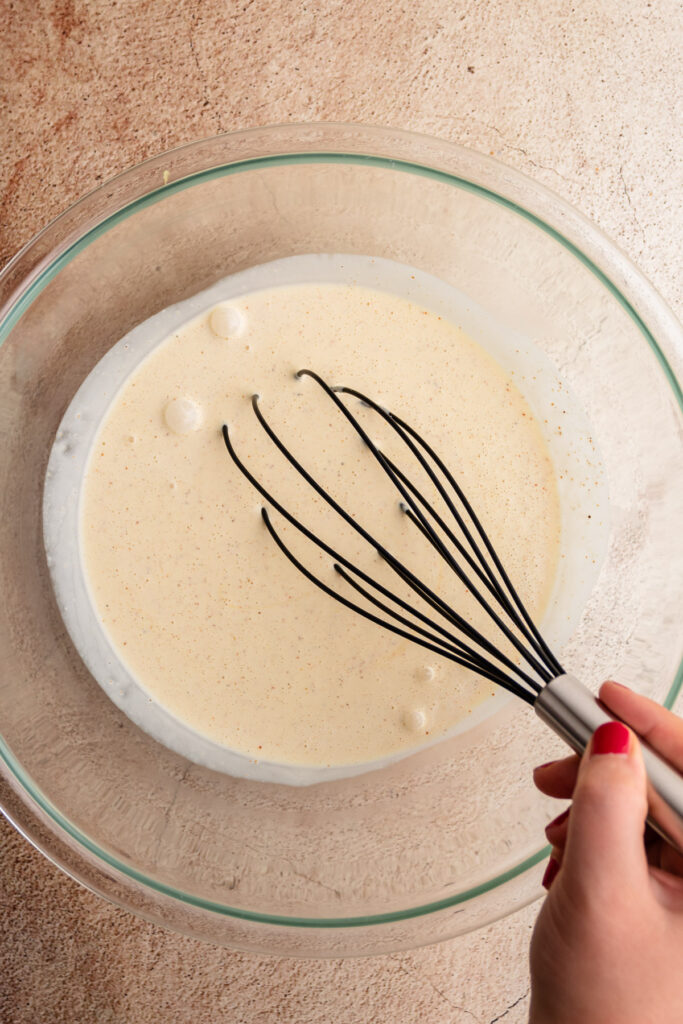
(605, 847)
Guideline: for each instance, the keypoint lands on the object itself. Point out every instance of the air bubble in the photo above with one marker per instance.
(227, 322)
(415, 720)
(425, 673)
(182, 415)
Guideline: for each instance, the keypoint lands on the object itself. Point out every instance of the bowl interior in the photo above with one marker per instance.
(448, 829)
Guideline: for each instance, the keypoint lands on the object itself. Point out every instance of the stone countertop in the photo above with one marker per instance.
(584, 97)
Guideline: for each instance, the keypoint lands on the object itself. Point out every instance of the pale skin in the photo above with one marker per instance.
(608, 944)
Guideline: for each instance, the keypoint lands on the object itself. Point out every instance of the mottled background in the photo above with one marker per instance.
(584, 96)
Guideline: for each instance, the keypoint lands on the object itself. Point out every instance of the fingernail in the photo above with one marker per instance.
(550, 873)
(558, 820)
(547, 764)
(613, 682)
(611, 738)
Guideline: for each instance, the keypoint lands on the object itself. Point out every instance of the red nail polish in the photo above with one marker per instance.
(558, 820)
(611, 738)
(550, 873)
(547, 764)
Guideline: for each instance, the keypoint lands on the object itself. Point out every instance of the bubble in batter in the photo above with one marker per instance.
(415, 719)
(227, 321)
(182, 415)
(425, 674)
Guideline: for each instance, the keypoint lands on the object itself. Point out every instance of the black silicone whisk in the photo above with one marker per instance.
(452, 529)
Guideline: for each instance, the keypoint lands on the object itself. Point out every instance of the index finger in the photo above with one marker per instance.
(661, 729)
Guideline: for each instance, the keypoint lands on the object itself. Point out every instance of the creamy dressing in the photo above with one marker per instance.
(201, 608)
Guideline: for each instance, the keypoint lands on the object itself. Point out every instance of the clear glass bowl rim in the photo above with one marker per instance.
(605, 261)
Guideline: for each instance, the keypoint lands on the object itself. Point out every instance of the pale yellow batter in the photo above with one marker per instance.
(205, 611)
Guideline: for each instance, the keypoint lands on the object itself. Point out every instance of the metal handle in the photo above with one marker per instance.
(574, 713)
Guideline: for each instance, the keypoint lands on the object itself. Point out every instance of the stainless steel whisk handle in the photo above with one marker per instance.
(574, 713)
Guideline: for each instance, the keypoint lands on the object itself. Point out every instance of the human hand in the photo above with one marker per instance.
(608, 944)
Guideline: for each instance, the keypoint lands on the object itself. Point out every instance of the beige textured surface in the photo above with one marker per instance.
(583, 96)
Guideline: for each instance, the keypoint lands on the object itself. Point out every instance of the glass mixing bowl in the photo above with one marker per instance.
(444, 841)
